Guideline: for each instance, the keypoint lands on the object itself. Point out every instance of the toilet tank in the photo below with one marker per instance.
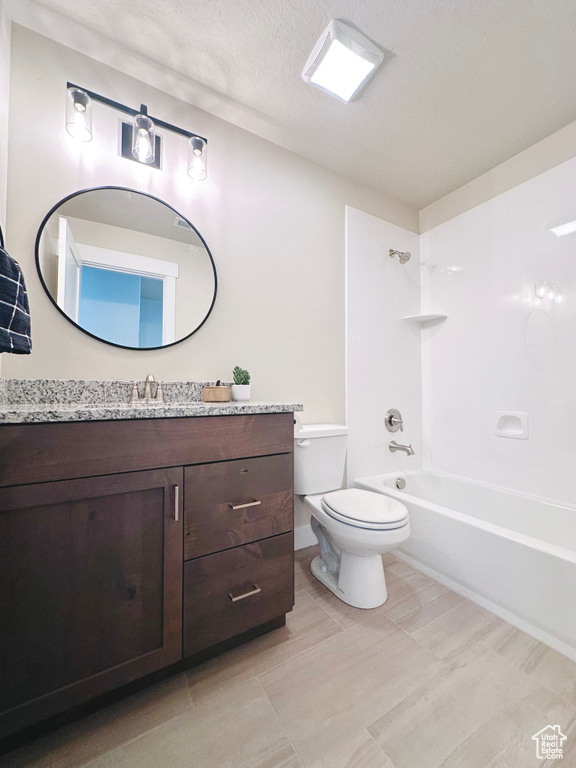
(319, 457)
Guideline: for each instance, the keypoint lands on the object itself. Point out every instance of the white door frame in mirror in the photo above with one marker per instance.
(119, 261)
(69, 266)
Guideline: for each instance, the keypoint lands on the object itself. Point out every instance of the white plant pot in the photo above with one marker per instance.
(240, 391)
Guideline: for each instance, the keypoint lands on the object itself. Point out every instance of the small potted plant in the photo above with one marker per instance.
(241, 386)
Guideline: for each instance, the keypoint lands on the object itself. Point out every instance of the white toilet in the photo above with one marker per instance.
(353, 527)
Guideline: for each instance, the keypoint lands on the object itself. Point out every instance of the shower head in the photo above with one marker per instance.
(403, 256)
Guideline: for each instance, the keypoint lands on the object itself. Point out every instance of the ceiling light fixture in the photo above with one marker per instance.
(342, 61)
(564, 229)
(139, 141)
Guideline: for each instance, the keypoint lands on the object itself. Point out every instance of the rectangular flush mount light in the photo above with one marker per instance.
(564, 229)
(342, 61)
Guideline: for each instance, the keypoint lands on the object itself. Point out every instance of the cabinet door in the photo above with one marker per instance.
(90, 588)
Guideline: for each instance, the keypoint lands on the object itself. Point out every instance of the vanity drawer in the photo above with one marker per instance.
(236, 502)
(233, 591)
(36, 453)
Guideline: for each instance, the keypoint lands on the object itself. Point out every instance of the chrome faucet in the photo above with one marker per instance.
(147, 397)
(394, 446)
(148, 388)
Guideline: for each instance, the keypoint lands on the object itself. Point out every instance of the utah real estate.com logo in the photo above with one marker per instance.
(549, 743)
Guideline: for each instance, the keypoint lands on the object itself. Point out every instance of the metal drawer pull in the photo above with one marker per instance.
(243, 506)
(256, 589)
(176, 501)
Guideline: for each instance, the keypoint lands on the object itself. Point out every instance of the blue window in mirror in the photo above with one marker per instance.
(121, 307)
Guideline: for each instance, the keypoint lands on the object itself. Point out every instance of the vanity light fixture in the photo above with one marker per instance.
(342, 61)
(143, 139)
(79, 114)
(545, 289)
(197, 158)
(564, 229)
(139, 141)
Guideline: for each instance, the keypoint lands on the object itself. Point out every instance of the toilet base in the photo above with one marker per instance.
(360, 581)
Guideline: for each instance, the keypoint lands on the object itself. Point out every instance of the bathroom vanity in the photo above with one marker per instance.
(135, 544)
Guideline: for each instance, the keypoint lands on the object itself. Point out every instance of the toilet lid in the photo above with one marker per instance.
(365, 509)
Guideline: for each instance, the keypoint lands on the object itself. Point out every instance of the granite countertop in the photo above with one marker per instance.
(46, 400)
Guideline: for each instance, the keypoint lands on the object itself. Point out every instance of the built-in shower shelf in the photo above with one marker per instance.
(424, 318)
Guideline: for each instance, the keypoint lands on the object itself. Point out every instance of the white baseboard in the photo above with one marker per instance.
(504, 613)
(304, 537)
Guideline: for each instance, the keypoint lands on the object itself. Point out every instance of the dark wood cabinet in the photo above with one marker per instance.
(91, 587)
(126, 547)
(35, 453)
(234, 502)
(228, 593)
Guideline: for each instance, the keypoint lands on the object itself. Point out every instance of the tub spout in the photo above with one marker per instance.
(394, 446)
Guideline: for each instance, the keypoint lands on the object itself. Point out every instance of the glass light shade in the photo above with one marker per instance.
(545, 289)
(541, 289)
(79, 114)
(197, 159)
(143, 139)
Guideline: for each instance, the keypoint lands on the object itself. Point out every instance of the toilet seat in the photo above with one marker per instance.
(365, 509)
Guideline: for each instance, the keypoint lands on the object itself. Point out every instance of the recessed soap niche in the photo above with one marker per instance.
(512, 424)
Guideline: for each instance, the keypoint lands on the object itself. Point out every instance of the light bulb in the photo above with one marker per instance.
(143, 139)
(79, 115)
(197, 158)
(546, 289)
(540, 289)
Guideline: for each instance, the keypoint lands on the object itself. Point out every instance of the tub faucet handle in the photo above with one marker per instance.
(393, 421)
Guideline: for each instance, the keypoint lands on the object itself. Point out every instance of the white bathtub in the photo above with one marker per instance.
(511, 552)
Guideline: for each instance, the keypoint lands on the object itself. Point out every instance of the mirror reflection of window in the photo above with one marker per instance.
(121, 307)
(124, 298)
(121, 297)
(126, 268)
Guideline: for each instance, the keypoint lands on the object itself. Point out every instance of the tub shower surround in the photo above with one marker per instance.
(25, 401)
(513, 553)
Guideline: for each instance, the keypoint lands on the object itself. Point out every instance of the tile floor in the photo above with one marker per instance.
(427, 680)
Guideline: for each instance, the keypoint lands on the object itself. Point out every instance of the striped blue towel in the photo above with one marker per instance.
(14, 309)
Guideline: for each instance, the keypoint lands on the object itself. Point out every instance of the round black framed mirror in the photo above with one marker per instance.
(126, 268)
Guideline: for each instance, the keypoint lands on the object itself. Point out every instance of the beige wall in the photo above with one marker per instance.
(4, 102)
(4, 105)
(539, 158)
(273, 221)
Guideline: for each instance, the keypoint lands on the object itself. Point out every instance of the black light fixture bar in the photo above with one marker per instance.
(133, 112)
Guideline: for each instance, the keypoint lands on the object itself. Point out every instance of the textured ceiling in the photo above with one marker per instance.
(470, 83)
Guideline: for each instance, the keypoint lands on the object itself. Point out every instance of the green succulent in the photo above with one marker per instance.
(241, 376)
